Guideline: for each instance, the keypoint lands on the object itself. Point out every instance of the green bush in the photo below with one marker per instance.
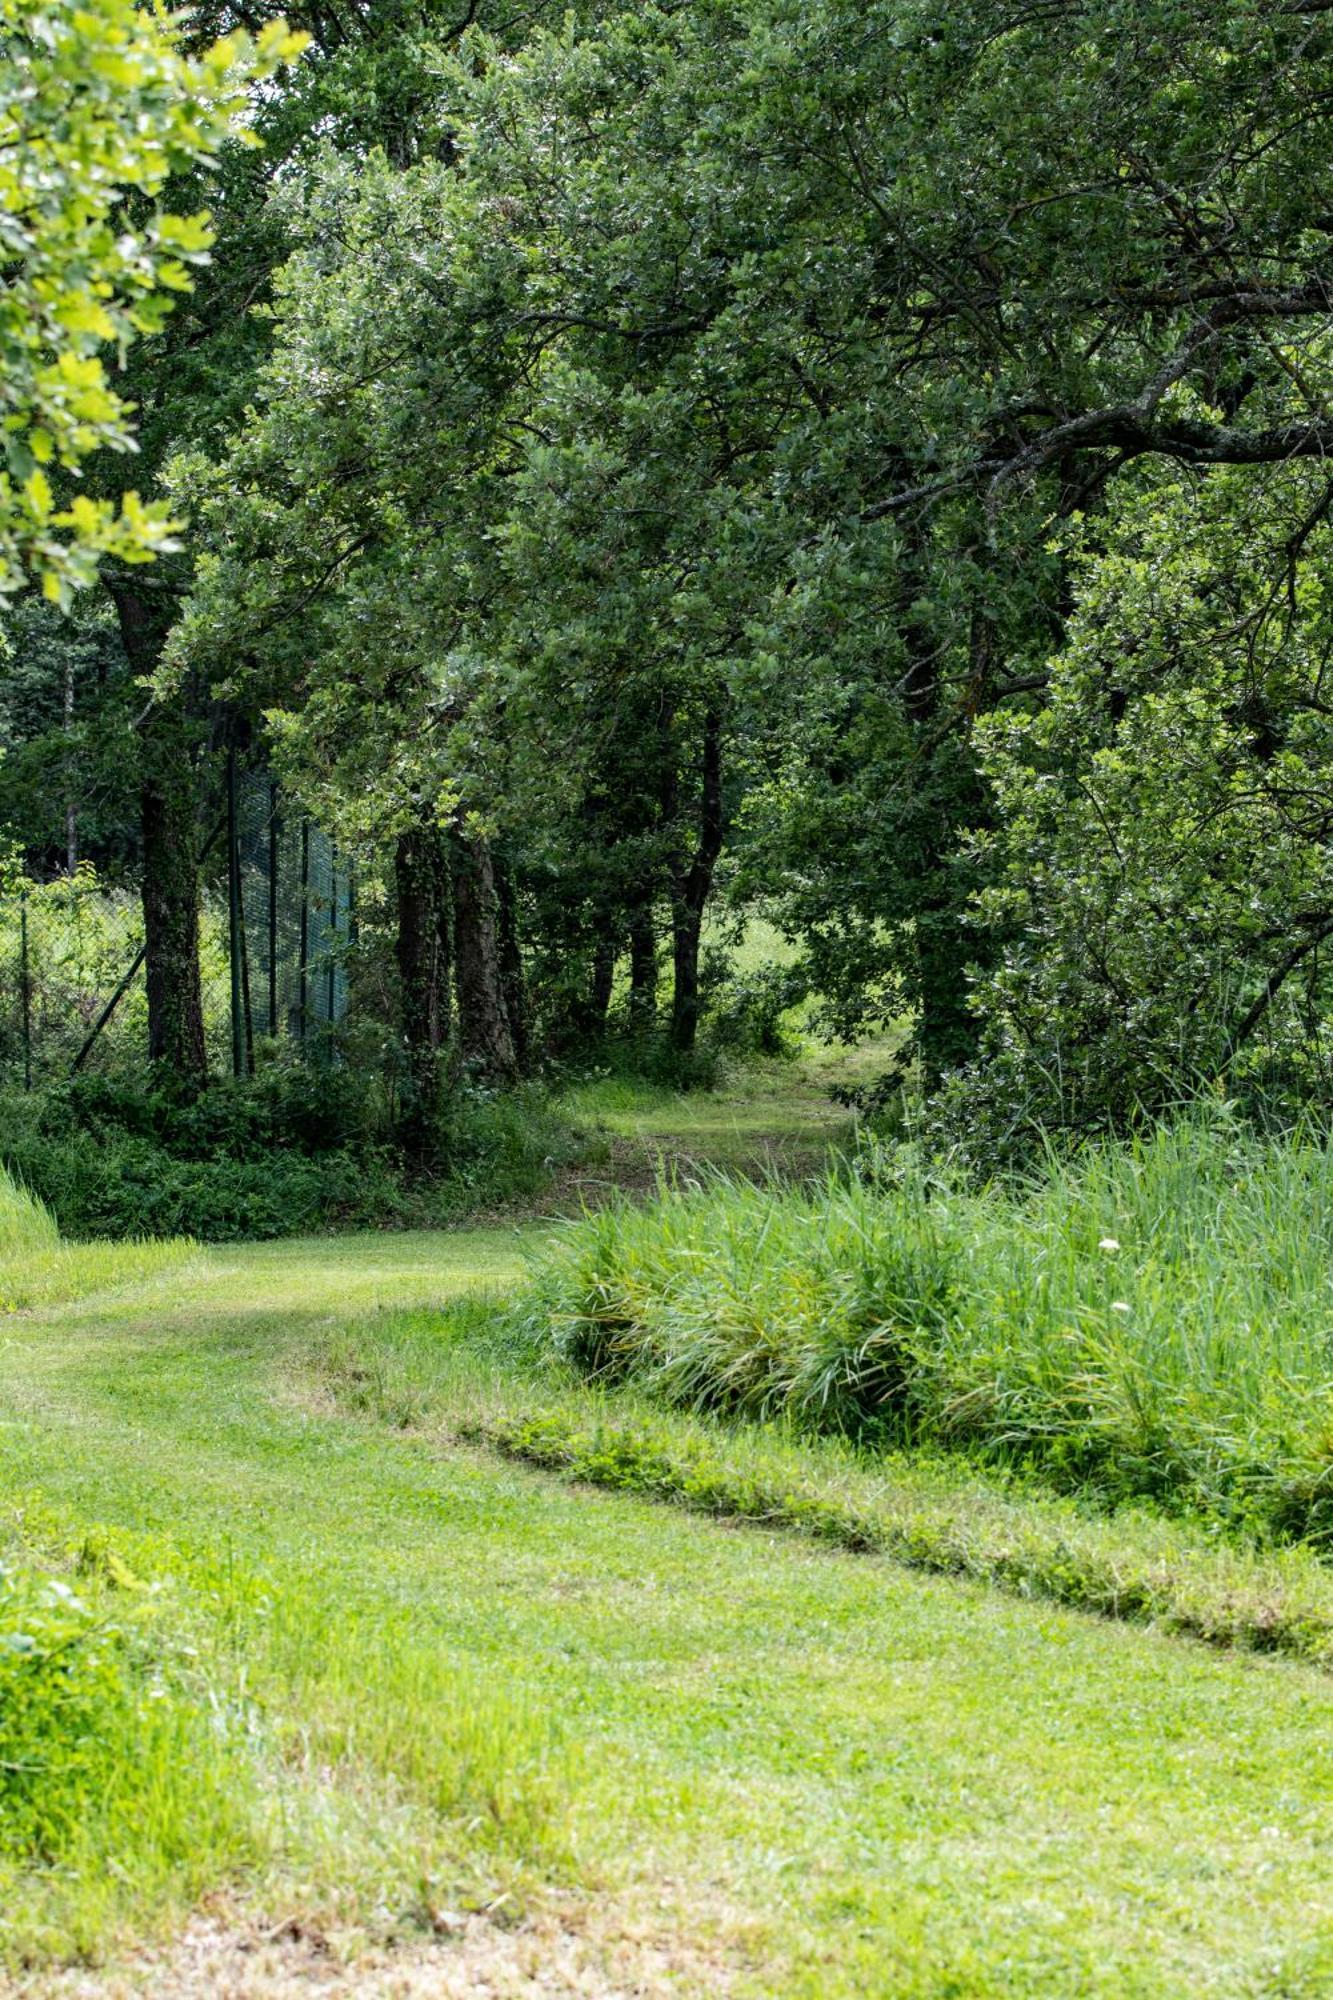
(133, 1187)
(1149, 1321)
(751, 1009)
(501, 1145)
(295, 1106)
(647, 1056)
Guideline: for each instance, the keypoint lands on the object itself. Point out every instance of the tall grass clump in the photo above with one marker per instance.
(37, 1267)
(26, 1227)
(1149, 1320)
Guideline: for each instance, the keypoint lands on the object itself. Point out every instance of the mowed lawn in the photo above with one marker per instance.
(751, 1764)
(774, 1116)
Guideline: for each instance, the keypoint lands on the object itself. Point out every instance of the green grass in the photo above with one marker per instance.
(443, 1677)
(770, 1117)
(763, 1120)
(767, 1115)
(37, 1267)
(930, 1515)
(1150, 1321)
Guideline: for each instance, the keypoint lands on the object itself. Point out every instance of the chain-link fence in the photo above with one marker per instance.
(277, 920)
(294, 921)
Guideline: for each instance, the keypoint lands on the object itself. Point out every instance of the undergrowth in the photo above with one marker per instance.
(294, 1150)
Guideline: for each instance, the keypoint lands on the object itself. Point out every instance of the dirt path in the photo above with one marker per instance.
(580, 1952)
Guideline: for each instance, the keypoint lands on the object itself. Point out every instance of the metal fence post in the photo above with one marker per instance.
(247, 1015)
(25, 989)
(273, 860)
(333, 931)
(234, 922)
(303, 968)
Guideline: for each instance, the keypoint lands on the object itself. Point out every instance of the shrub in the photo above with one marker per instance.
(295, 1106)
(501, 1145)
(127, 1186)
(751, 1010)
(647, 1056)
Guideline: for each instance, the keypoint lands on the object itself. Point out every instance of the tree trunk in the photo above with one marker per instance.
(691, 890)
(422, 948)
(483, 1024)
(513, 986)
(686, 929)
(642, 967)
(71, 810)
(600, 985)
(947, 1035)
(947, 1029)
(170, 870)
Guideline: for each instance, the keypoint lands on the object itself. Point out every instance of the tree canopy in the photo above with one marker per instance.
(738, 451)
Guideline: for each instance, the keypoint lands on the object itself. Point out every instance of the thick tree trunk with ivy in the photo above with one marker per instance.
(421, 880)
(485, 1037)
(513, 986)
(946, 1034)
(170, 840)
(691, 887)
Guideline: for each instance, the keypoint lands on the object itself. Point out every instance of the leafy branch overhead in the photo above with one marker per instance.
(99, 107)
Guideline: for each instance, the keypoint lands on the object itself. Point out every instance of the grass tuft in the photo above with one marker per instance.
(38, 1268)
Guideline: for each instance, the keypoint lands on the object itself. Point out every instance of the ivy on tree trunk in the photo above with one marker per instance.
(485, 1037)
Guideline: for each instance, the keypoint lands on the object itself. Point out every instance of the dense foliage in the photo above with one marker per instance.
(296, 1150)
(98, 105)
(836, 460)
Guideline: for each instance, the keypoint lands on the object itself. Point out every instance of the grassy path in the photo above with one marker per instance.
(737, 1763)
